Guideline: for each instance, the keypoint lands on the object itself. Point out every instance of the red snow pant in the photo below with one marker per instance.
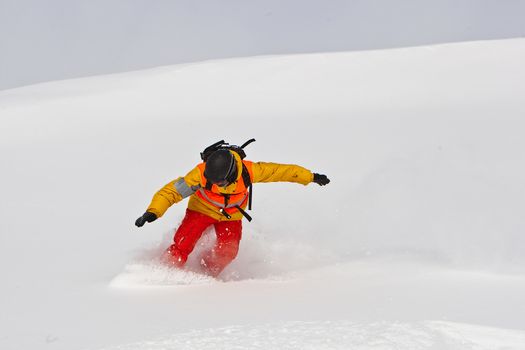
(191, 229)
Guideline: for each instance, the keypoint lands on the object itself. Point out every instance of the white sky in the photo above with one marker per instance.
(57, 39)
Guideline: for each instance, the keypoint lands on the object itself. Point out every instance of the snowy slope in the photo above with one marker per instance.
(59, 39)
(417, 243)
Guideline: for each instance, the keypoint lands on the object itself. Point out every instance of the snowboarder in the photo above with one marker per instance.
(220, 191)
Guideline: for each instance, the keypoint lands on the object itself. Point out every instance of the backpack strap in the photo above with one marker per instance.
(247, 143)
(248, 185)
(245, 214)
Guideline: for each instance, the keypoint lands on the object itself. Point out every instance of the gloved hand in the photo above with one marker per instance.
(321, 180)
(146, 217)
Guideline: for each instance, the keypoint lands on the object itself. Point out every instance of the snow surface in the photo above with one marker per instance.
(416, 244)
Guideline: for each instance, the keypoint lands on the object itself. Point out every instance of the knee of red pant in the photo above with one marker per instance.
(223, 252)
(180, 243)
(227, 249)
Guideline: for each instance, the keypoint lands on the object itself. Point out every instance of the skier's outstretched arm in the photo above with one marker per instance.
(274, 172)
(173, 192)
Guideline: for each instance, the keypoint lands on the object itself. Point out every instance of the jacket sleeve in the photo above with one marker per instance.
(273, 172)
(174, 192)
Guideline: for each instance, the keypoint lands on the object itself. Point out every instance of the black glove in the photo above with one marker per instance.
(321, 180)
(146, 217)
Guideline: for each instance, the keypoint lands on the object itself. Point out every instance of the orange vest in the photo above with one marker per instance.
(225, 202)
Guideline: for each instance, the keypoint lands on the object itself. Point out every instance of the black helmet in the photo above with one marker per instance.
(220, 167)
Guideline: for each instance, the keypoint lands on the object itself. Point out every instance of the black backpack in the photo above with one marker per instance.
(245, 174)
(223, 145)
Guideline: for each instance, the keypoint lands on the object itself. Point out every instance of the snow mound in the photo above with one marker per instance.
(341, 335)
(155, 274)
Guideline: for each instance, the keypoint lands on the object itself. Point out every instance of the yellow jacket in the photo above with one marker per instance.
(183, 187)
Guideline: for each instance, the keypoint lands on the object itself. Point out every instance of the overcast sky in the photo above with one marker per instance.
(44, 40)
